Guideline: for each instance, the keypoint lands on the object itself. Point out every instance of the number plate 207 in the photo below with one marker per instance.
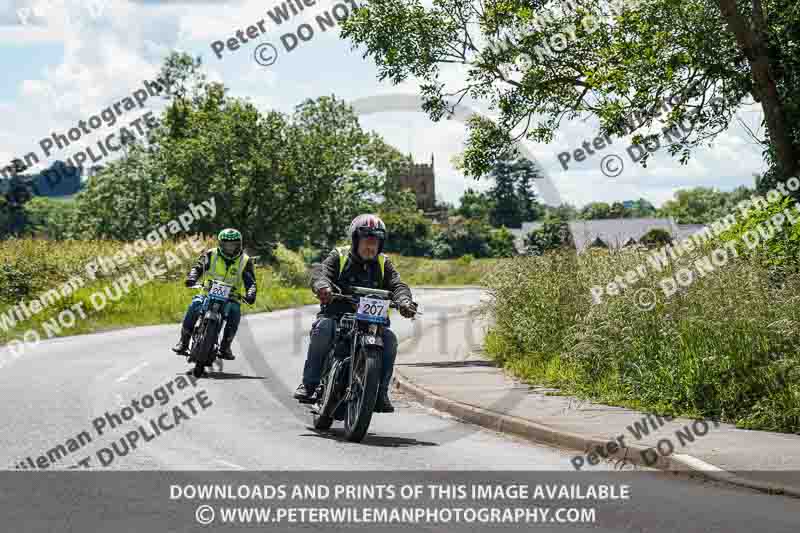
(372, 310)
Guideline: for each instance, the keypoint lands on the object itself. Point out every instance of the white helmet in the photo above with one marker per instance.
(367, 226)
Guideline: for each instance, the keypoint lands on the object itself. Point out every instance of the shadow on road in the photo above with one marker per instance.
(227, 375)
(370, 440)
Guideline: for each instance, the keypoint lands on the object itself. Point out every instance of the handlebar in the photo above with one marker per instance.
(239, 298)
(369, 292)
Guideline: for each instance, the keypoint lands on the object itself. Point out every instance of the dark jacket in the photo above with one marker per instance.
(359, 273)
(203, 264)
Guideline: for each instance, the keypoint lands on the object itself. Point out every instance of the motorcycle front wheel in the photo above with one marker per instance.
(366, 376)
(202, 351)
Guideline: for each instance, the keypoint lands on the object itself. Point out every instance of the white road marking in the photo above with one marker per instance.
(131, 372)
(226, 463)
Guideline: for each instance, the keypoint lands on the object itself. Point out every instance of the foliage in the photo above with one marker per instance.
(776, 243)
(724, 347)
(656, 238)
(298, 178)
(702, 205)
(512, 198)
(629, 60)
(474, 204)
(290, 268)
(461, 237)
(553, 234)
(501, 243)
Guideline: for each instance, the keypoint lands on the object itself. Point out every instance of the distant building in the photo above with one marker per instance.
(610, 233)
(420, 178)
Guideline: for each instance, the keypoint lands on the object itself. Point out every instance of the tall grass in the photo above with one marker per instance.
(725, 346)
(32, 266)
(443, 272)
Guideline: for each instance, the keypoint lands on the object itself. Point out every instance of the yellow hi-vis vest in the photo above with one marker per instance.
(345, 252)
(232, 274)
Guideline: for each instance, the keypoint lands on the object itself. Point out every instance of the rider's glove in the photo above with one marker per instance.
(407, 308)
(250, 297)
(324, 294)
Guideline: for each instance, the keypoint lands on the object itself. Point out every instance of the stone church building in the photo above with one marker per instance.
(419, 177)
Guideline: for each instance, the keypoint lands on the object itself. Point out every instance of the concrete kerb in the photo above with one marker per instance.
(539, 433)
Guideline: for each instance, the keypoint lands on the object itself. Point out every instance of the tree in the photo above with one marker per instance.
(501, 243)
(409, 231)
(656, 238)
(595, 211)
(475, 205)
(553, 234)
(525, 172)
(706, 57)
(512, 196)
(506, 206)
(702, 205)
(295, 178)
(463, 237)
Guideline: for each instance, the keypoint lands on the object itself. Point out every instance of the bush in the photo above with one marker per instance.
(501, 243)
(290, 267)
(727, 346)
(780, 252)
(461, 237)
(553, 234)
(656, 238)
(465, 260)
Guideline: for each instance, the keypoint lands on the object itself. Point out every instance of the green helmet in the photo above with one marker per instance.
(229, 243)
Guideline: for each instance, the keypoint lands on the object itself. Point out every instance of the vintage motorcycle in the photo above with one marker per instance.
(351, 371)
(203, 350)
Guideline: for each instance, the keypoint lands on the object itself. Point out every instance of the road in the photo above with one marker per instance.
(243, 419)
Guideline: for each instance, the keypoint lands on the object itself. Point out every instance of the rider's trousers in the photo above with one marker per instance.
(193, 312)
(322, 332)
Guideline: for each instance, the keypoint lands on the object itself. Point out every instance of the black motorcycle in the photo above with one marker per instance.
(351, 371)
(204, 348)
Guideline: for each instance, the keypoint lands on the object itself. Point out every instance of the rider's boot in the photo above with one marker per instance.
(225, 349)
(383, 404)
(304, 393)
(183, 344)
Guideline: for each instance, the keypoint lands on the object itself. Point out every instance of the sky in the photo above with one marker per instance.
(66, 60)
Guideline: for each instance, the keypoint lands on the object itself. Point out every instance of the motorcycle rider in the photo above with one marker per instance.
(362, 265)
(229, 264)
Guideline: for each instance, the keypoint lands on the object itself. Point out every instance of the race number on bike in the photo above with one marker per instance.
(372, 310)
(219, 290)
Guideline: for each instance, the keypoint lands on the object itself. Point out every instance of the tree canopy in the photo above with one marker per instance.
(539, 62)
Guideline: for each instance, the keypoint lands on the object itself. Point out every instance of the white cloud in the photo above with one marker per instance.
(105, 58)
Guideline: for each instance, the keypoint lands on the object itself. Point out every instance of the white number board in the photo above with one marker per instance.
(373, 309)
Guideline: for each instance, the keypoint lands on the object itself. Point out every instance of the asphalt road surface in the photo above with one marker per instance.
(62, 398)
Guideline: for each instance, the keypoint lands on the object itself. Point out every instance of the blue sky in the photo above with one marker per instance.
(79, 56)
